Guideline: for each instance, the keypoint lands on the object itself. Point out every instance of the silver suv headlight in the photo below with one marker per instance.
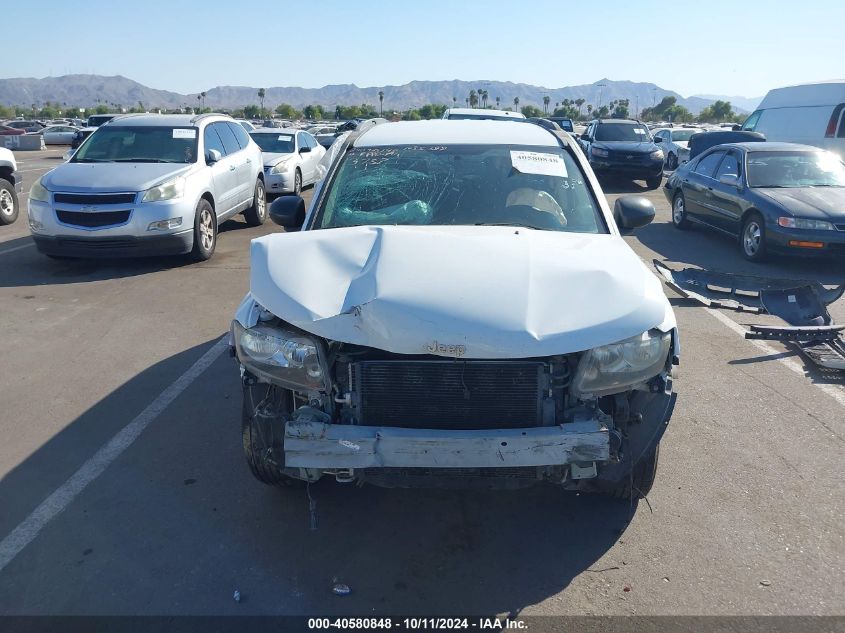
(612, 368)
(166, 191)
(281, 167)
(280, 356)
(39, 192)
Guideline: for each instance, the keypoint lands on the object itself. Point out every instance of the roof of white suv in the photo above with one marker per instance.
(467, 132)
(163, 120)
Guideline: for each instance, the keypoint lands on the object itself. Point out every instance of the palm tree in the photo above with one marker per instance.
(498, 100)
(515, 104)
(261, 94)
(486, 96)
(381, 101)
(202, 94)
(579, 103)
(198, 100)
(546, 101)
(454, 101)
(589, 108)
(473, 99)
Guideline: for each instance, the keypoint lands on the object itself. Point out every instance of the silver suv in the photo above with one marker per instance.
(149, 185)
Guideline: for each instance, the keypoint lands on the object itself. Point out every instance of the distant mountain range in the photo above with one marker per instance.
(89, 90)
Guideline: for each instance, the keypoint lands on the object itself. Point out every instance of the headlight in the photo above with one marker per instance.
(279, 168)
(166, 191)
(599, 152)
(279, 356)
(656, 155)
(611, 368)
(39, 192)
(803, 223)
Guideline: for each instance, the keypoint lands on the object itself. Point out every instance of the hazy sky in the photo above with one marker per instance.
(715, 47)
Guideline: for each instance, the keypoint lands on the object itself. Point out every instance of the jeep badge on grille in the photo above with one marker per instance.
(451, 350)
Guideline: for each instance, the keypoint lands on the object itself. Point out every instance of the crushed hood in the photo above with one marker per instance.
(474, 292)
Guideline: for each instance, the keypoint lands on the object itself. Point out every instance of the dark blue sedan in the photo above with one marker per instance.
(773, 197)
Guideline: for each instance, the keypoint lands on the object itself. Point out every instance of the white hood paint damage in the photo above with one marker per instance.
(473, 292)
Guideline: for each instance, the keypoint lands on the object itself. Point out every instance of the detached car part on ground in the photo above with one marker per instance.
(459, 309)
(802, 304)
(10, 187)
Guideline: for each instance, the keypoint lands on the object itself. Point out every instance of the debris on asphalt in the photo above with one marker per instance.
(665, 578)
(237, 596)
(766, 583)
(340, 589)
(598, 571)
(626, 588)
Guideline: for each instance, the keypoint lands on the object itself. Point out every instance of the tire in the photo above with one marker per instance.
(752, 239)
(679, 215)
(639, 484)
(256, 215)
(297, 183)
(672, 162)
(9, 207)
(264, 449)
(654, 182)
(205, 232)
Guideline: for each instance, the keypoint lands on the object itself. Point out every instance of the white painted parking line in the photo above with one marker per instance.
(53, 505)
(15, 248)
(23, 171)
(834, 391)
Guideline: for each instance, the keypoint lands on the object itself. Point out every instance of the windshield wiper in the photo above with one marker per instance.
(141, 160)
(514, 224)
(89, 160)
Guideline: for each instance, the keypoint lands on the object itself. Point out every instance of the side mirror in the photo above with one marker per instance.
(288, 211)
(212, 156)
(632, 212)
(584, 137)
(731, 180)
(658, 139)
(305, 149)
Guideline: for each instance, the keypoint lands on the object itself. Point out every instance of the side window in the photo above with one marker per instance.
(211, 140)
(228, 137)
(707, 165)
(300, 141)
(841, 133)
(728, 167)
(240, 134)
(312, 142)
(751, 121)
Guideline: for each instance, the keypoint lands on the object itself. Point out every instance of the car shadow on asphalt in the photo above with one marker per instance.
(32, 268)
(615, 184)
(181, 501)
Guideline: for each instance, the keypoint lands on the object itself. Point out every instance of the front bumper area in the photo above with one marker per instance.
(794, 241)
(317, 445)
(115, 247)
(279, 183)
(17, 181)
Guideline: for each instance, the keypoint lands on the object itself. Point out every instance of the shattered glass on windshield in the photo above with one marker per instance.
(540, 188)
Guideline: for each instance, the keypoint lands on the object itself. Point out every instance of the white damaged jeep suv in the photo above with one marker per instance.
(458, 309)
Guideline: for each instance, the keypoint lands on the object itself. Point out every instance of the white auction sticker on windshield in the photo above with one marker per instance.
(285, 137)
(183, 133)
(538, 163)
(639, 130)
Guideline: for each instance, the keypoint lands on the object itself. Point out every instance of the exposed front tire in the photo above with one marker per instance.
(752, 239)
(205, 232)
(672, 162)
(654, 181)
(679, 212)
(297, 183)
(256, 215)
(9, 208)
(262, 432)
(639, 484)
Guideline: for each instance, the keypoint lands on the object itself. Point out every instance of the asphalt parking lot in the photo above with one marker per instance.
(746, 515)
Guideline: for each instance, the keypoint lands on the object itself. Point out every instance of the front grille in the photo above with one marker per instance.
(449, 394)
(92, 198)
(93, 220)
(635, 157)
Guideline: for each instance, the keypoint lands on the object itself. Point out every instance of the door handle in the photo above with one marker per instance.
(249, 161)
(231, 168)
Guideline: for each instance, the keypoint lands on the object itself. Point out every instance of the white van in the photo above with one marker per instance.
(812, 114)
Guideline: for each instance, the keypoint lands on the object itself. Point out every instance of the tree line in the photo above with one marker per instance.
(576, 109)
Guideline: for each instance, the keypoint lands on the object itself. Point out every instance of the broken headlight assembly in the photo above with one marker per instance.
(612, 368)
(280, 356)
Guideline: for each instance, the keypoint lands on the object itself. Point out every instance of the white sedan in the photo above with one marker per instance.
(290, 157)
(58, 134)
(674, 143)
